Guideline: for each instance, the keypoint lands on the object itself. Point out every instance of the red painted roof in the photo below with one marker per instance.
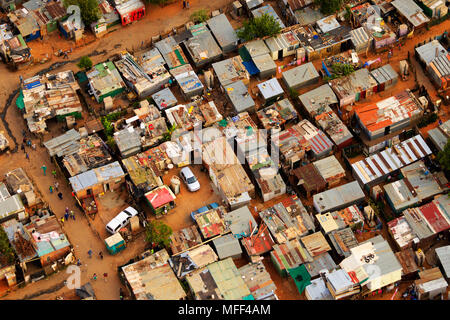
(434, 217)
(163, 197)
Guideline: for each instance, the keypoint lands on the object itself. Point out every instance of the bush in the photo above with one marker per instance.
(89, 10)
(328, 7)
(427, 119)
(85, 63)
(158, 233)
(199, 16)
(259, 27)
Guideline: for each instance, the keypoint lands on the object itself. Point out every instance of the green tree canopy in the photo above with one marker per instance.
(89, 10)
(199, 16)
(259, 27)
(329, 6)
(158, 232)
(6, 251)
(444, 156)
(85, 63)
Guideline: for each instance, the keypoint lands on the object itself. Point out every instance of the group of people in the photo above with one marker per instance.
(27, 143)
(67, 214)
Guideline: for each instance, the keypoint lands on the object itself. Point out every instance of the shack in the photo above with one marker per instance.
(270, 91)
(171, 51)
(227, 246)
(105, 81)
(239, 97)
(164, 99)
(240, 222)
(318, 100)
(202, 285)
(300, 76)
(257, 59)
(267, 9)
(360, 39)
(152, 63)
(411, 12)
(343, 240)
(283, 45)
(129, 10)
(188, 261)
(152, 278)
(400, 195)
(188, 81)
(335, 128)
(402, 233)
(231, 70)
(331, 170)
(223, 32)
(443, 255)
(115, 243)
(274, 117)
(339, 197)
(258, 280)
(440, 135)
(318, 290)
(201, 47)
(431, 284)
(12, 207)
(289, 255)
(354, 87)
(99, 180)
(315, 244)
(160, 200)
(308, 179)
(385, 76)
(128, 141)
(184, 239)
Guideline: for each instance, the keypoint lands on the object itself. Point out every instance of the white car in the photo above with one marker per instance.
(189, 178)
(121, 220)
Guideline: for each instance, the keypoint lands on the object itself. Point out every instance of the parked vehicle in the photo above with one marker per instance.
(190, 179)
(210, 206)
(121, 220)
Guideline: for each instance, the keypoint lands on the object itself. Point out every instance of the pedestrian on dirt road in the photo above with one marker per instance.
(51, 189)
(66, 216)
(94, 277)
(187, 4)
(105, 275)
(22, 147)
(29, 143)
(60, 195)
(72, 214)
(78, 262)
(33, 146)
(24, 133)
(54, 173)
(101, 255)
(56, 185)
(27, 156)
(62, 220)
(90, 253)
(67, 210)
(184, 4)
(24, 140)
(44, 168)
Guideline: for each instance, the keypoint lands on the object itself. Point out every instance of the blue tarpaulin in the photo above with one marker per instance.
(32, 85)
(326, 69)
(251, 67)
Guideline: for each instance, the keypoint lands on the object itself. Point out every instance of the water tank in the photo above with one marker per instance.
(175, 184)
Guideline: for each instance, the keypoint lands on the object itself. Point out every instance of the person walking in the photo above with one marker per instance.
(56, 185)
(27, 156)
(94, 277)
(100, 255)
(72, 214)
(62, 220)
(187, 4)
(44, 168)
(60, 195)
(90, 253)
(105, 275)
(33, 146)
(51, 189)
(78, 262)
(184, 4)
(66, 215)
(22, 147)
(54, 173)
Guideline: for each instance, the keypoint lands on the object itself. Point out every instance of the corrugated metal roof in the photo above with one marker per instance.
(222, 30)
(227, 246)
(300, 75)
(320, 262)
(389, 160)
(98, 175)
(411, 11)
(59, 145)
(315, 243)
(400, 195)
(318, 290)
(443, 254)
(384, 74)
(330, 168)
(228, 279)
(338, 197)
(11, 205)
(238, 93)
(239, 220)
(258, 280)
(270, 88)
(359, 37)
(440, 135)
(270, 11)
(316, 101)
(425, 184)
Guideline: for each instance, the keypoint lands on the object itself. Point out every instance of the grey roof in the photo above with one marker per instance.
(11, 206)
(166, 46)
(267, 9)
(4, 193)
(411, 11)
(384, 74)
(316, 100)
(227, 246)
(239, 221)
(425, 185)
(340, 281)
(256, 48)
(300, 75)
(202, 47)
(387, 261)
(321, 262)
(166, 97)
(439, 136)
(418, 224)
(98, 175)
(318, 290)
(359, 37)
(430, 51)
(222, 30)
(400, 195)
(265, 63)
(240, 97)
(307, 16)
(11, 227)
(443, 254)
(66, 143)
(338, 197)
(270, 88)
(227, 71)
(128, 139)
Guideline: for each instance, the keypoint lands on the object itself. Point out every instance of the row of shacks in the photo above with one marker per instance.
(294, 240)
(39, 245)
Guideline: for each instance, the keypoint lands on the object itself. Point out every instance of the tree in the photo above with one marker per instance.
(158, 232)
(6, 251)
(329, 6)
(85, 63)
(444, 156)
(199, 16)
(259, 27)
(89, 10)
